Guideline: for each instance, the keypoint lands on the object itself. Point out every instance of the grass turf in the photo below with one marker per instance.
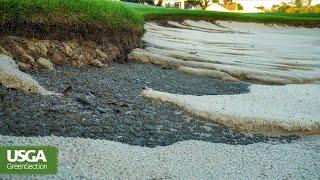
(98, 12)
(155, 13)
(115, 15)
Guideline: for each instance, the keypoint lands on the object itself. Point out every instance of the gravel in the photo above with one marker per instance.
(106, 104)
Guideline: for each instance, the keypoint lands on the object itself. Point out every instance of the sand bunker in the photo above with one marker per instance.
(234, 51)
(12, 77)
(289, 109)
(245, 51)
(100, 159)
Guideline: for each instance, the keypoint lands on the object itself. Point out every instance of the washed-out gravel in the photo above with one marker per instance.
(106, 104)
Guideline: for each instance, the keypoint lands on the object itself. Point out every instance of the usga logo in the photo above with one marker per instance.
(26, 155)
(28, 159)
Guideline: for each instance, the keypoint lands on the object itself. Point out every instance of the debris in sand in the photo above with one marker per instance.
(12, 77)
(67, 90)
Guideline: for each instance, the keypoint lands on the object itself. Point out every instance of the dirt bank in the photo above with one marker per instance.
(76, 45)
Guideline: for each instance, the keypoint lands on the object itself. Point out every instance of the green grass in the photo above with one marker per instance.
(104, 13)
(152, 13)
(97, 12)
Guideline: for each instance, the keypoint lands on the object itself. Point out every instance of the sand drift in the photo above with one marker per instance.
(275, 110)
(235, 51)
(12, 77)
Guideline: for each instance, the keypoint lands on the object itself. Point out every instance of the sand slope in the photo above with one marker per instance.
(246, 51)
(12, 77)
(289, 109)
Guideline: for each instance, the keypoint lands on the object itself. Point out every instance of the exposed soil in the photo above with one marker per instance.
(73, 52)
(125, 39)
(106, 104)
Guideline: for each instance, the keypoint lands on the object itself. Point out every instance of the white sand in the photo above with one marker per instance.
(236, 51)
(208, 73)
(12, 77)
(274, 54)
(100, 159)
(289, 109)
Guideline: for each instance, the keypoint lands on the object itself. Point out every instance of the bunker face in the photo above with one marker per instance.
(246, 51)
(234, 51)
(289, 109)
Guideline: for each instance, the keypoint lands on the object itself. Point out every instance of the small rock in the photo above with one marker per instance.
(102, 54)
(19, 50)
(113, 53)
(68, 49)
(27, 59)
(82, 101)
(116, 111)
(38, 47)
(31, 46)
(23, 66)
(101, 110)
(97, 63)
(57, 59)
(77, 63)
(45, 63)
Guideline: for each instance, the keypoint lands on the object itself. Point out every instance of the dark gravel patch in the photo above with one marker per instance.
(106, 104)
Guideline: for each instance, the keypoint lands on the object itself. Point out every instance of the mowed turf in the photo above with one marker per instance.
(158, 13)
(97, 12)
(111, 14)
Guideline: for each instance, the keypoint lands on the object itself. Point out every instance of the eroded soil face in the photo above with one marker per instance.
(73, 52)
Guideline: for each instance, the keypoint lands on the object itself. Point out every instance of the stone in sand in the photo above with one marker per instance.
(97, 63)
(45, 63)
